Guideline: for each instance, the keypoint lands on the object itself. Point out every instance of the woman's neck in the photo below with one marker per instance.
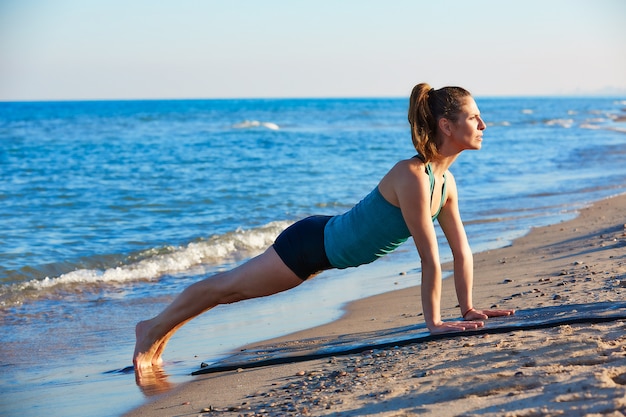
(442, 163)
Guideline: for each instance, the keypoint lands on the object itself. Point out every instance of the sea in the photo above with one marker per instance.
(109, 209)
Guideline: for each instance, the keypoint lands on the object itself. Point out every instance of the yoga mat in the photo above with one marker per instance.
(317, 348)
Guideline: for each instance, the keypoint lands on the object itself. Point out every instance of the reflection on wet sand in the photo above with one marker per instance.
(152, 381)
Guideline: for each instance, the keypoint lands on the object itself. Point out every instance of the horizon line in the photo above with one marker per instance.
(617, 95)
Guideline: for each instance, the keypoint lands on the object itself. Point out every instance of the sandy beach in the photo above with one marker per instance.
(570, 370)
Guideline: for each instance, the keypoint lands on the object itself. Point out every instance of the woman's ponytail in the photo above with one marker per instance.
(422, 122)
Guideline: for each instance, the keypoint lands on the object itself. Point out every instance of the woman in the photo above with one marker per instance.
(408, 199)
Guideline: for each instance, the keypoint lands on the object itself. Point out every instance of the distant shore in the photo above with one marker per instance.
(572, 370)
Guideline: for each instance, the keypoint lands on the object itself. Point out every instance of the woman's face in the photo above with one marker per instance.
(467, 131)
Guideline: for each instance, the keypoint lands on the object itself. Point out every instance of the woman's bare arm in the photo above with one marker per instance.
(450, 221)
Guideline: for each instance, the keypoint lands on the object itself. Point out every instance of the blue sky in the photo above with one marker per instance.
(132, 49)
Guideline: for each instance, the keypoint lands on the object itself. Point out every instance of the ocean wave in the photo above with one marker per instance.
(250, 124)
(566, 123)
(499, 123)
(150, 265)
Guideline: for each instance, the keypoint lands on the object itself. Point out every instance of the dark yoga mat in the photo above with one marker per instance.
(316, 348)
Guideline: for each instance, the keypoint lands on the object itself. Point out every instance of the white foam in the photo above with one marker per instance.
(590, 126)
(270, 125)
(215, 251)
(250, 124)
(502, 123)
(566, 123)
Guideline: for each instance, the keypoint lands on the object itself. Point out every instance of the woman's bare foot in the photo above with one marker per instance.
(147, 350)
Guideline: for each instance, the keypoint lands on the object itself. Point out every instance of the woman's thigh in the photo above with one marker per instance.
(263, 275)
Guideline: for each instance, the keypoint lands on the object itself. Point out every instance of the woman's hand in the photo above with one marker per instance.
(473, 320)
(454, 326)
(473, 314)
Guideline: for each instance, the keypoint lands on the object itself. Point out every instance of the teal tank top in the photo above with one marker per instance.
(370, 230)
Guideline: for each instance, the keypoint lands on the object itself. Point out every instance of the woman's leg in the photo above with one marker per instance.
(264, 275)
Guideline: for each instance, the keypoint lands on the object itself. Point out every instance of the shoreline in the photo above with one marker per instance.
(521, 373)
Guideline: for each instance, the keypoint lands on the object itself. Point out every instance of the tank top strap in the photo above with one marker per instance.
(443, 195)
(429, 171)
(431, 178)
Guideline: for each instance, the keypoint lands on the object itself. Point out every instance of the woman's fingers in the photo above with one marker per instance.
(456, 326)
(498, 313)
(485, 314)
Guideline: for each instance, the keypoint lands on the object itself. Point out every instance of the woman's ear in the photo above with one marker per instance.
(445, 126)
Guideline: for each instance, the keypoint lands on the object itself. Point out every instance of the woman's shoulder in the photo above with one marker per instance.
(412, 167)
(406, 174)
(407, 177)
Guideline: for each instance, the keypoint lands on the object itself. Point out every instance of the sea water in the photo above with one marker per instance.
(109, 209)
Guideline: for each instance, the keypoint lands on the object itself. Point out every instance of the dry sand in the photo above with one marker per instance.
(571, 370)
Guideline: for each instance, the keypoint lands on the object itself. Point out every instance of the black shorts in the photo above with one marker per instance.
(301, 246)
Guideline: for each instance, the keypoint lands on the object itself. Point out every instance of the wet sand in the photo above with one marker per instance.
(570, 370)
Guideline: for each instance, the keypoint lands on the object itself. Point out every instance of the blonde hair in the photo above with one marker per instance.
(426, 107)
